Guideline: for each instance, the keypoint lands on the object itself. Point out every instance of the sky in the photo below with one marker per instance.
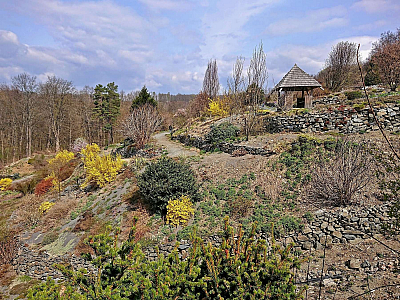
(166, 44)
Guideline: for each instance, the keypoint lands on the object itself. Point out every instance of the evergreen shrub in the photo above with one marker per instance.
(167, 179)
(221, 133)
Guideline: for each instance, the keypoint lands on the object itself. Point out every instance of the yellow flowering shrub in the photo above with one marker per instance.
(45, 206)
(99, 169)
(61, 158)
(179, 211)
(5, 183)
(217, 108)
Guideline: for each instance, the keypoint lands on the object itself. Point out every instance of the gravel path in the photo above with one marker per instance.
(174, 149)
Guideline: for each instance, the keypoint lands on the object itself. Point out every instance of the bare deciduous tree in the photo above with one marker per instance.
(336, 181)
(385, 55)
(211, 81)
(142, 123)
(342, 61)
(236, 83)
(256, 79)
(56, 92)
(27, 87)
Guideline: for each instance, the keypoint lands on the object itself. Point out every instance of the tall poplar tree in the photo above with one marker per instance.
(107, 106)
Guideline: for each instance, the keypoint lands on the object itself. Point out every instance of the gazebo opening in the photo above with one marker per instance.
(296, 80)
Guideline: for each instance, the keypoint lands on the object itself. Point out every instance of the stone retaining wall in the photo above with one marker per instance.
(346, 120)
(339, 226)
(39, 264)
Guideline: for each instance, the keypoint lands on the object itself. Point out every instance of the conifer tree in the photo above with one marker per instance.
(107, 106)
(143, 98)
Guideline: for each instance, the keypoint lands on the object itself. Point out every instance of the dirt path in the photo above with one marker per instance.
(174, 149)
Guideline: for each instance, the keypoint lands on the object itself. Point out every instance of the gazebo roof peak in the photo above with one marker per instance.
(297, 78)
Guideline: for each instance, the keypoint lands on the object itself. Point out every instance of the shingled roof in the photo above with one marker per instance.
(296, 77)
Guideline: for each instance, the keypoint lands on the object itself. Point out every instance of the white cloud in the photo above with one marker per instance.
(312, 21)
(178, 5)
(310, 58)
(377, 6)
(223, 29)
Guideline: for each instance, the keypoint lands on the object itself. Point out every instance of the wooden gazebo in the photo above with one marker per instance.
(296, 80)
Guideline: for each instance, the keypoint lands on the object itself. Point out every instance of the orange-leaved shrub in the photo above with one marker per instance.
(44, 186)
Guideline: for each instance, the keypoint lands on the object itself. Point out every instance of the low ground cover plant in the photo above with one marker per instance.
(240, 268)
(221, 133)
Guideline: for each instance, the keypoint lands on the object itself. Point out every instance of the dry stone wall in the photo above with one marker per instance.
(344, 120)
(330, 227)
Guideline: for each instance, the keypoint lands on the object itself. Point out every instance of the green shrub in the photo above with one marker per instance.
(240, 268)
(354, 95)
(221, 133)
(167, 179)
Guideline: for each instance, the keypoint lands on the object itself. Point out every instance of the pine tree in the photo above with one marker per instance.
(107, 106)
(143, 98)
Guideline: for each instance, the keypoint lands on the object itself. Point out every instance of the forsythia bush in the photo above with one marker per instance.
(45, 206)
(5, 183)
(62, 158)
(179, 211)
(217, 108)
(44, 186)
(100, 169)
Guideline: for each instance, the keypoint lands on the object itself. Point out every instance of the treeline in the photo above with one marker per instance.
(48, 116)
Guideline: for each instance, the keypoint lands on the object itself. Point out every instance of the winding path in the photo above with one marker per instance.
(174, 149)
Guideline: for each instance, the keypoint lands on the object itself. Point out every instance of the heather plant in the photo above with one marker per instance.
(99, 169)
(78, 145)
(179, 211)
(167, 179)
(5, 183)
(239, 268)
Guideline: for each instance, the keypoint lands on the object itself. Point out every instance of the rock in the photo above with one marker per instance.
(307, 230)
(329, 283)
(324, 225)
(183, 247)
(353, 264)
(349, 237)
(365, 264)
(337, 234)
(306, 245)
(302, 238)
(328, 239)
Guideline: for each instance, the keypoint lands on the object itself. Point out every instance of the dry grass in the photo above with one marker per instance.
(97, 227)
(142, 223)
(28, 211)
(58, 212)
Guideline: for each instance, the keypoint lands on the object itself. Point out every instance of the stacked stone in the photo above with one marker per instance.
(341, 226)
(39, 265)
(345, 121)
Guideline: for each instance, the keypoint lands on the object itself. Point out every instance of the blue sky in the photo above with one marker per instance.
(166, 44)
